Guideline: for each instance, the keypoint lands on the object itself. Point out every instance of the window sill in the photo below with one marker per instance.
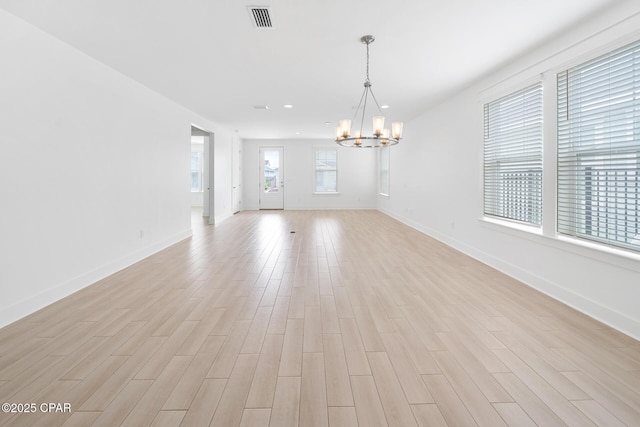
(512, 225)
(595, 251)
(600, 249)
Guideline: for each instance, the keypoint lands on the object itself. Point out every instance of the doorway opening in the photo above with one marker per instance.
(202, 176)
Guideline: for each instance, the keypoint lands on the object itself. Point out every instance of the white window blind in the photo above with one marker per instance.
(599, 149)
(513, 156)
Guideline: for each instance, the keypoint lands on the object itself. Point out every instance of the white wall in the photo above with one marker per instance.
(356, 176)
(436, 183)
(107, 160)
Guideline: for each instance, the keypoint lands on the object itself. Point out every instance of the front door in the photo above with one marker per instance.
(271, 178)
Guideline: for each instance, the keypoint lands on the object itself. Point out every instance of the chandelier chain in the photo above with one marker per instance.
(368, 81)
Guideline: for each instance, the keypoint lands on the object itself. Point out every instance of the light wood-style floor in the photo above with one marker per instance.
(316, 318)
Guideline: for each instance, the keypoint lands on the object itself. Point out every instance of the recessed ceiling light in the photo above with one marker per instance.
(288, 106)
(384, 106)
(297, 133)
(327, 123)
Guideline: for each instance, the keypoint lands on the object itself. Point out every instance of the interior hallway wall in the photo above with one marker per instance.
(94, 170)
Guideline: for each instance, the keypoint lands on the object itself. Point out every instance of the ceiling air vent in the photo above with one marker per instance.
(260, 16)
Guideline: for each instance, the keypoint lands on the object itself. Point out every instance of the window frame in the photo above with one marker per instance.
(570, 197)
(506, 209)
(547, 70)
(315, 151)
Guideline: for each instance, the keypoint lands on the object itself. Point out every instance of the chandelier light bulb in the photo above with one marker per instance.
(378, 125)
(396, 130)
(345, 127)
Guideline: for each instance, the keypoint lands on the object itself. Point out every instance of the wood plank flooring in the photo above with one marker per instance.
(316, 318)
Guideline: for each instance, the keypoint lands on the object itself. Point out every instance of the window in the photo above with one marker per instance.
(326, 170)
(599, 149)
(196, 171)
(384, 171)
(513, 156)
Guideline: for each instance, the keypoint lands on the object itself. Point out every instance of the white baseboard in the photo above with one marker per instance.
(606, 315)
(313, 208)
(221, 218)
(34, 303)
(333, 208)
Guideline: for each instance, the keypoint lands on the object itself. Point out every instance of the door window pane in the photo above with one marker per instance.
(271, 171)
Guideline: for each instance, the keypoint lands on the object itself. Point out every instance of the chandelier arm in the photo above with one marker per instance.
(375, 100)
(359, 104)
(364, 108)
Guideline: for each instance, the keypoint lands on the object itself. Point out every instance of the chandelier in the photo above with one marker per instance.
(380, 137)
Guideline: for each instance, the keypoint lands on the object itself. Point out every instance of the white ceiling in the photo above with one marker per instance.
(207, 56)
